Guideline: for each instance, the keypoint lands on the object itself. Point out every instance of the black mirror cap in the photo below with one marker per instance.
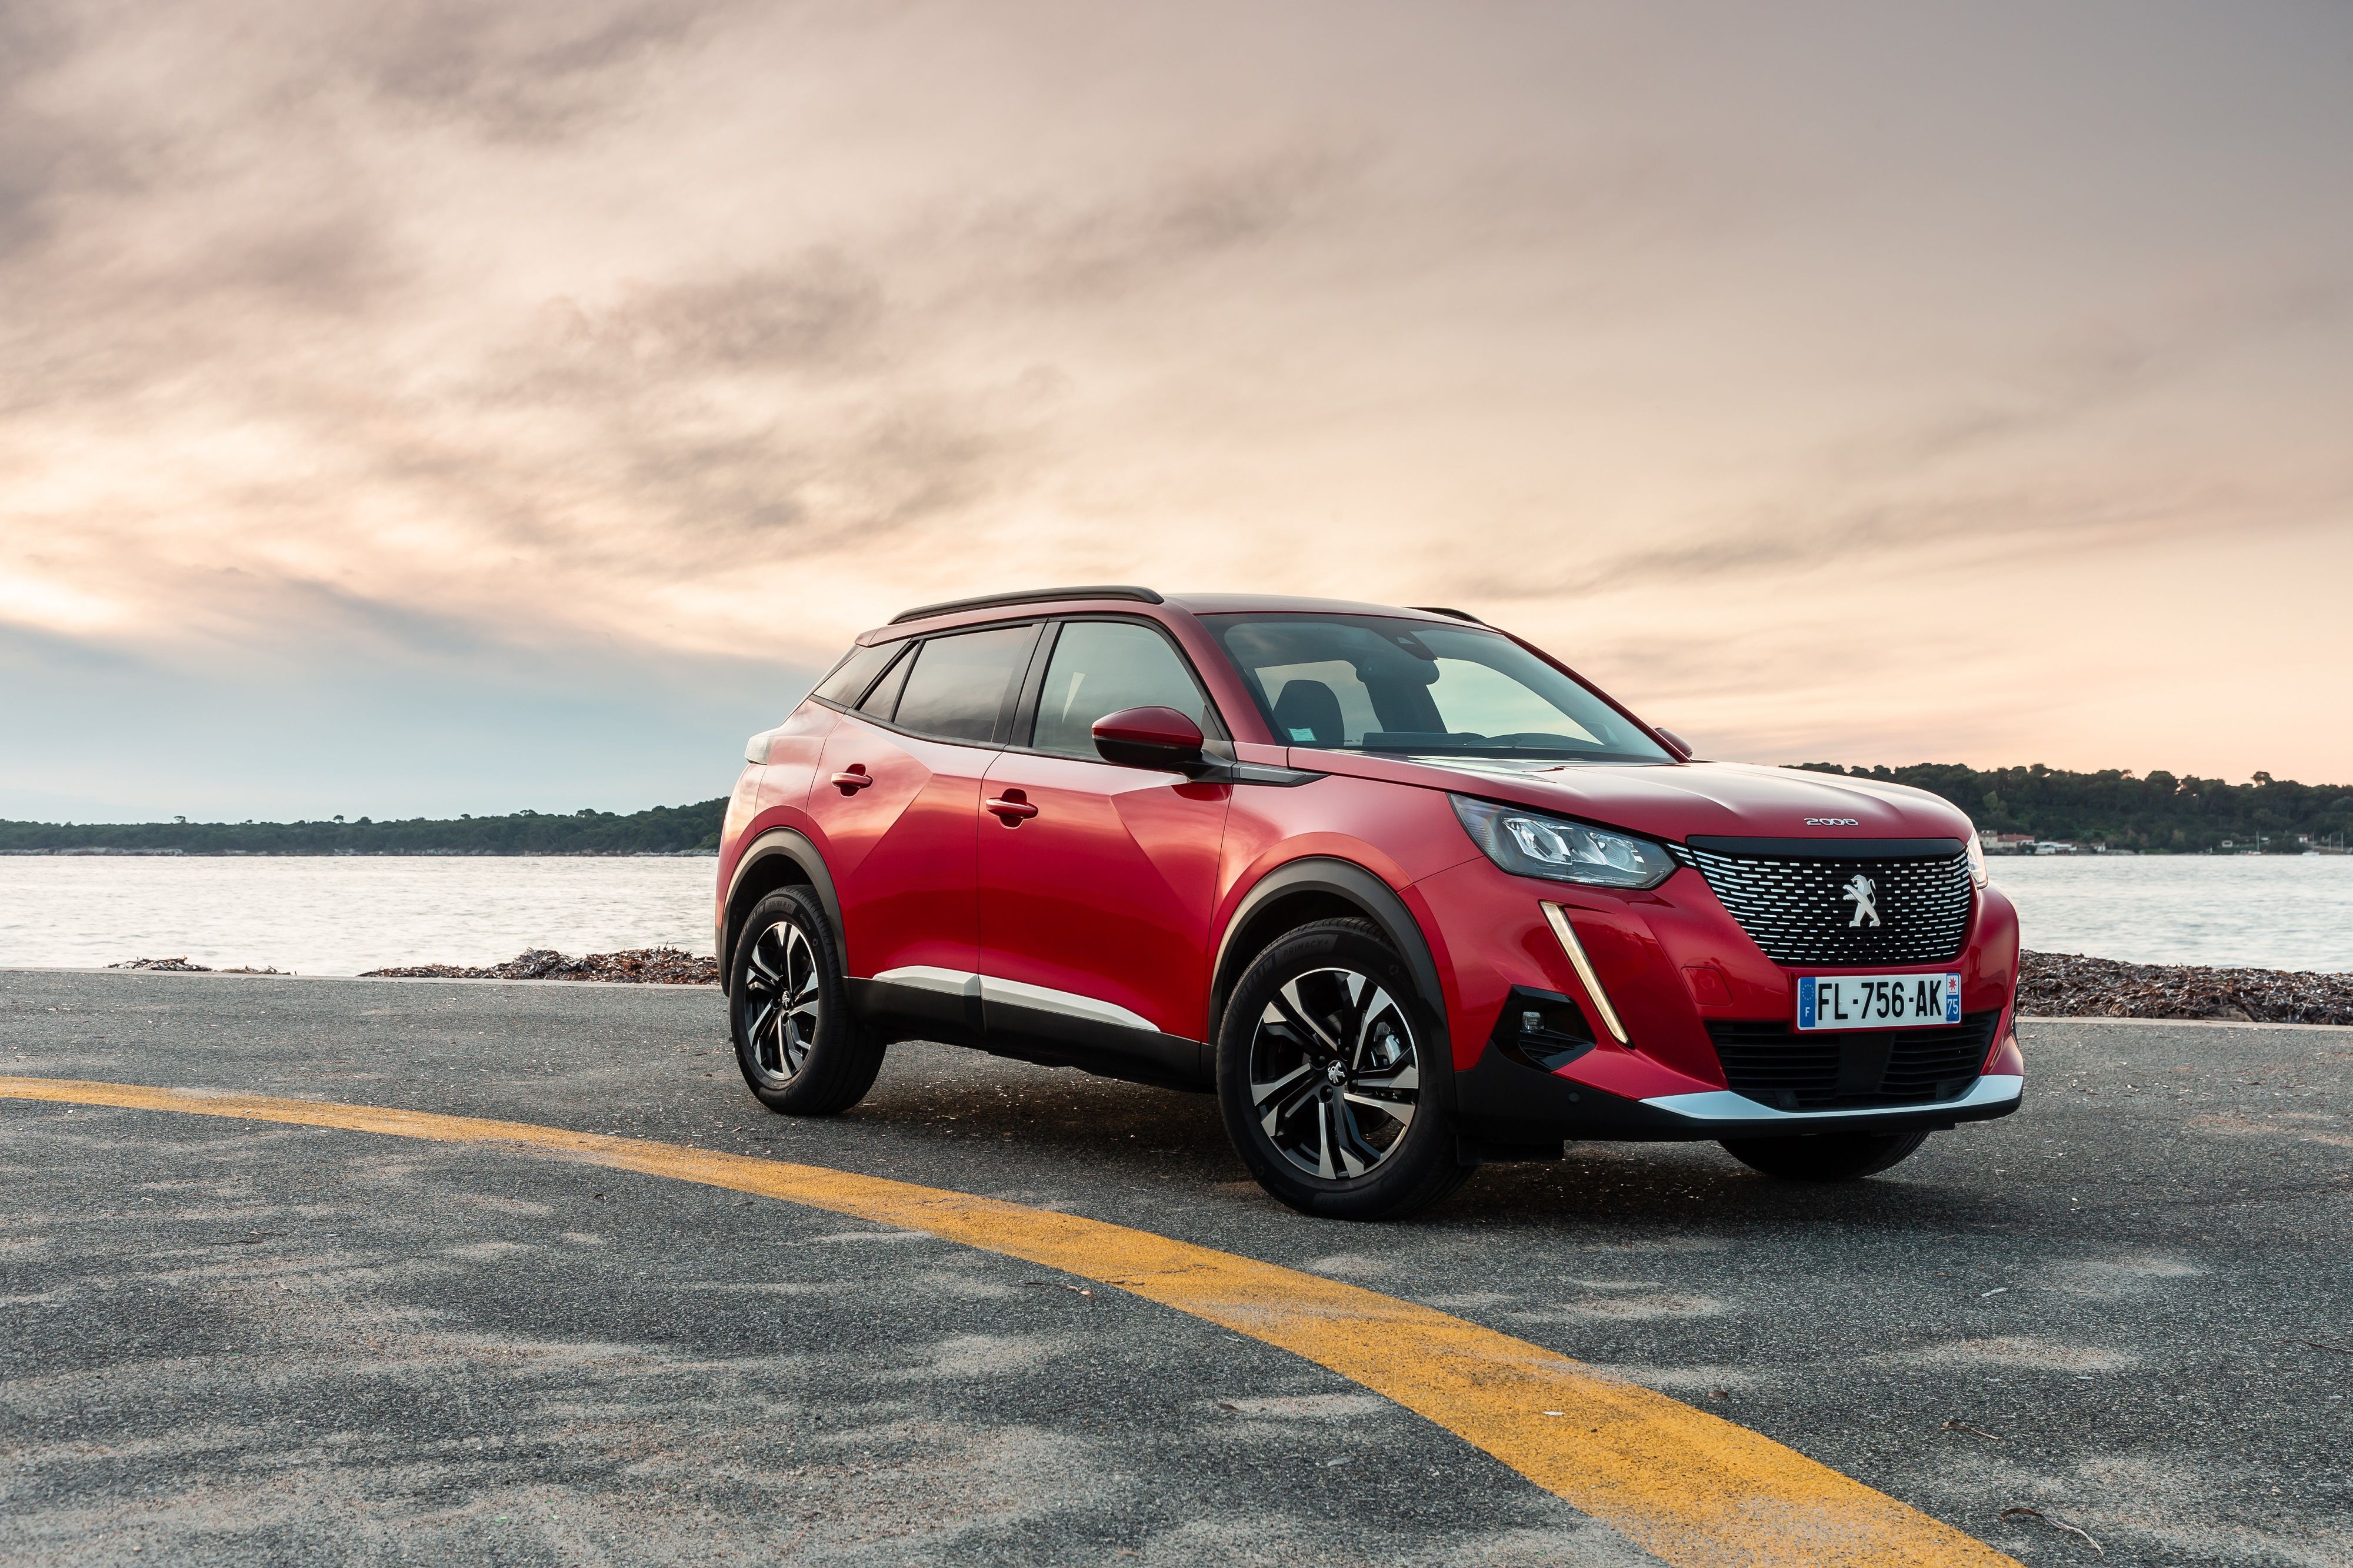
(1159, 738)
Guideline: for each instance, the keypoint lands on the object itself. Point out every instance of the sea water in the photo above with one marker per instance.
(344, 914)
(340, 915)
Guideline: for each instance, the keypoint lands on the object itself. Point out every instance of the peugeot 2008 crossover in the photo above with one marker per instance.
(1404, 891)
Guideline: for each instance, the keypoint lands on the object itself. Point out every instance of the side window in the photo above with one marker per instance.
(885, 698)
(855, 673)
(1102, 667)
(957, 687)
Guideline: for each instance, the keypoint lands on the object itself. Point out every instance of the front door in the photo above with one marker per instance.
(896, 802)
(1097, 881)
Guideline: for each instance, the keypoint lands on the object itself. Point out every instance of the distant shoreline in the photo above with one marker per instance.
(660, 830)
(2052, 984)
(2016, 811)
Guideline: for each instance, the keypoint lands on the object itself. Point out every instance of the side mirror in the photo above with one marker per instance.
(1681, 747)
(1149, 738)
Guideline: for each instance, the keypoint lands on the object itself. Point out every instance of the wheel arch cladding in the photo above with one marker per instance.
(780, 857)
(1318, 889)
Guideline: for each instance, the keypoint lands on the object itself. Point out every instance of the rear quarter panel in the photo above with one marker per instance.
(771, 793)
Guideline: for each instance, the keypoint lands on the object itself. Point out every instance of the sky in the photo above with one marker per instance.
(468, 406)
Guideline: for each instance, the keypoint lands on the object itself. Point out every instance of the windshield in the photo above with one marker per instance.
(1378, 683)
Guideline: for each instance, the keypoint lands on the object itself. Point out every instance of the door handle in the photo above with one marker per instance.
(1011, 807)
(855, 778)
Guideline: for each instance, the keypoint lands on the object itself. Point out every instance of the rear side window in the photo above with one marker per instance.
(1102, 667)
(855, 673)
(883, 699)
(962, 685)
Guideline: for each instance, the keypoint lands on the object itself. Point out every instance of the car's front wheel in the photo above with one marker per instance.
(1825, 1156)
(800, 1050)
(1329, 1076)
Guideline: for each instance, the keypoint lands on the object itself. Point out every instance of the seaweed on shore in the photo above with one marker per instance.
(2069, 985)
(182, 967)
(2051, 984)
(636, 965)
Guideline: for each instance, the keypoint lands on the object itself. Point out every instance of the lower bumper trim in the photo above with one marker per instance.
(1512, 1104)
(1724, 1105)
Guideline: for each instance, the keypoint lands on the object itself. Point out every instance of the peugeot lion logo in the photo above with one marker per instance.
(1866, 899)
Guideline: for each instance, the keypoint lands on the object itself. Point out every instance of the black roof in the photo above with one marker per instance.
(1029, 596)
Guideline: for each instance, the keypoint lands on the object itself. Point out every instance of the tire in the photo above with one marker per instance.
(1323, 1041)
(801, 1052)
(1825, 1156)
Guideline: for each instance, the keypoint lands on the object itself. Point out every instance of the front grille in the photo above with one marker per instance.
(1852, 1069)
(1796, 909)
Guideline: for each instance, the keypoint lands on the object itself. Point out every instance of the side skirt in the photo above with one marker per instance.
(1029, 1023)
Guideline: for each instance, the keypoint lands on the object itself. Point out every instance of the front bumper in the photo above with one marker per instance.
(1510, 1111)
(1670, 961)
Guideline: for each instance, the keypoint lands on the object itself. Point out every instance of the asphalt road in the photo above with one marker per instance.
(228, 1342)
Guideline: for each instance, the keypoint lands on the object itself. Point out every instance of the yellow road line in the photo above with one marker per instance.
(1686, 1486)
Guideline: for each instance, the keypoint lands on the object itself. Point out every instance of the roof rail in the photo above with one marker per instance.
(1029, 596)
(1442, 610)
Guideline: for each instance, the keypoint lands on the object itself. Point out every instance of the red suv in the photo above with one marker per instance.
(1406, 892)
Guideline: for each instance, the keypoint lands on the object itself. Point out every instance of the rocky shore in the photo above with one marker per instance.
(2069, 985)
(2053, 985)
(636, 965)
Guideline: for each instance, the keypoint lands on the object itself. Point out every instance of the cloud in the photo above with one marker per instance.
(720, 332)
(519, 72)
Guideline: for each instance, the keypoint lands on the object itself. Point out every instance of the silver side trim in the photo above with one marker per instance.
(1068, 1004)
(946, 981)
(1018, 994)
(1723, 1105)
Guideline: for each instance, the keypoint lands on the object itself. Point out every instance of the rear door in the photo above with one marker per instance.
(1097, 881)
(897, 801)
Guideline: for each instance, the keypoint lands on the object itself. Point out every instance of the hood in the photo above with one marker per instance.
(1673, 802)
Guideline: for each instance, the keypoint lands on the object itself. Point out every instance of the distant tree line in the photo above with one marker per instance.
(2159, 813)
(665, 829)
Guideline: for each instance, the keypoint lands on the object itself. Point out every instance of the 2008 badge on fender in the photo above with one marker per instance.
(1405, 892)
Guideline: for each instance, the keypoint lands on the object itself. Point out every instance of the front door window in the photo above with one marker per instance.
(1102, 667)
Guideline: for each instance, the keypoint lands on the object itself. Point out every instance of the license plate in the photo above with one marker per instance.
(1877, 1001)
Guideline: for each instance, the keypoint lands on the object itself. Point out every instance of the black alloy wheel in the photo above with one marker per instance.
(1328, 1089)
(1333, 1075)
(798, 1047)
(782, 1001)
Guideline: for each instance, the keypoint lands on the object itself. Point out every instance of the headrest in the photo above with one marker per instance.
(1307, 713)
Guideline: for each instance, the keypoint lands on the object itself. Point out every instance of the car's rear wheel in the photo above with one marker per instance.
(1825, 1156)
(800, 1050)
(1330, 1074)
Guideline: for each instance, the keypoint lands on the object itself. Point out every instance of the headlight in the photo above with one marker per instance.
(1528, 844)
(1976, 858)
